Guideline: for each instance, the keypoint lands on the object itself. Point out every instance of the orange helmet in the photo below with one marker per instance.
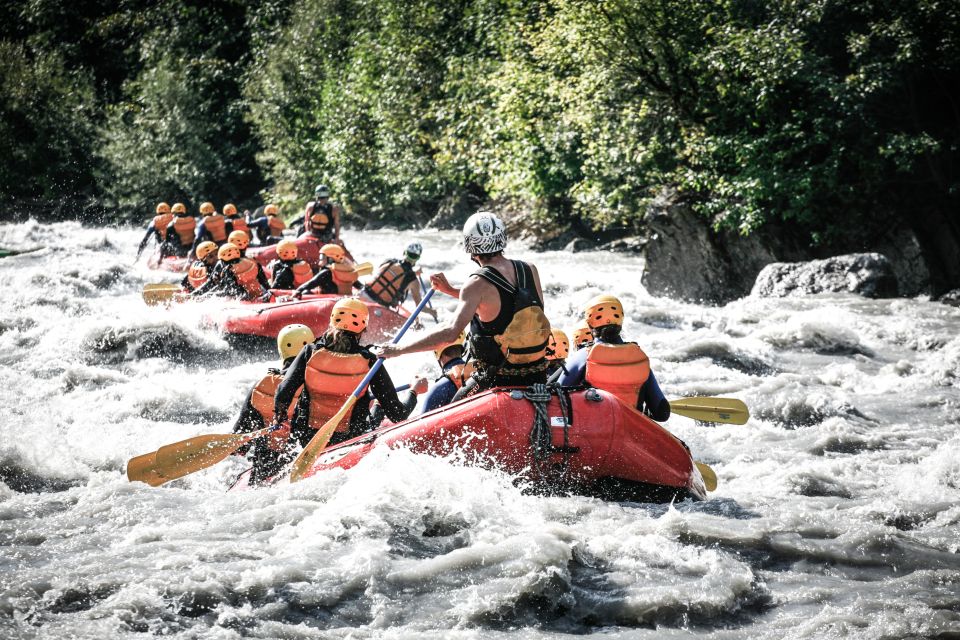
(603, 310)
(271, 210)
(333, 251)
(558, 346)
(581, 335)
(349, 314)
(458, 342)
(207, 209)
(287, 249)
(228, 252)
(229, 210)
(239, 238)
(163, 207)
(179, 208)
(205, 248)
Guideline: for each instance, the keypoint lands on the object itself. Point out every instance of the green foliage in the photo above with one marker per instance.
(46, 133)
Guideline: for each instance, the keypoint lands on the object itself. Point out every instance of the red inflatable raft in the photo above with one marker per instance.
(265, 319)
(170, 263)
(608, 449)
(308, 250)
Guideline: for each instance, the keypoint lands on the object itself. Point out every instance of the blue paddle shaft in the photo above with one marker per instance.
(406, 325)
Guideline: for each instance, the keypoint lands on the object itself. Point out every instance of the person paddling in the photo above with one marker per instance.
(288, 271)
(395, 278)
(202, 268)
(257, 411)
(180, 233)
(454, 374)
(235, 276)
(157, 227)
(328, 371)
(212, 227)
(269, 227)
(337, 275)
(614, 365)
(503, 304)
(235, 221)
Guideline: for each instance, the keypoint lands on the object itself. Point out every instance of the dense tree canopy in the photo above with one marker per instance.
(836, 116)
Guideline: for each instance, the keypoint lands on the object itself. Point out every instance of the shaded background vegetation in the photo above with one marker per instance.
(839, 117)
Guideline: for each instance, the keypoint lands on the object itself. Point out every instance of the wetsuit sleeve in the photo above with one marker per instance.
(323, 280)
(292, 380)
(200, 236)
(576, 369)
(282, 277)
(438, 395)
(652, 399)
(143, 243)
(249, 418)
(382, 388)
(262, 277)
(259, 223)
(185, 283)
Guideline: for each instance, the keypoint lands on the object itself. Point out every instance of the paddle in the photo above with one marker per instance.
(320, 439)
(726, 410)
(709, 476)
(160, 292)
(423, 287)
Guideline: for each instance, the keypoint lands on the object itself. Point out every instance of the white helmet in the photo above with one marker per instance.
(483, 233)
(414, 249)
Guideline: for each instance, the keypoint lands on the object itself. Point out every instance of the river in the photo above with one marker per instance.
(837, 513)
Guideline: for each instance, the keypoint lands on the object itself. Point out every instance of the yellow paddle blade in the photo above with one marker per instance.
(144, 469)
(709, 476)
(185, 457)
(319, 442)
(363, 269)
(159, 293)
(726, 410)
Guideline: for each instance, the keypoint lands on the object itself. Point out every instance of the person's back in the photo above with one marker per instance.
(328, 371)
(157, 227)
(288, 271)
(614, 365)
(180, 233)
(502, 303)
(201, 269)
(257, 410)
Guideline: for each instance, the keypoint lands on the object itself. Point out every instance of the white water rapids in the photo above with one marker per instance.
(837, 512)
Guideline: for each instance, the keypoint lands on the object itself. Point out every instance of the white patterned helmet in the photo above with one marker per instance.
(484, 233)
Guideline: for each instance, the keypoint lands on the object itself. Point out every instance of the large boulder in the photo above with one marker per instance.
(685, 258)
(868, 274)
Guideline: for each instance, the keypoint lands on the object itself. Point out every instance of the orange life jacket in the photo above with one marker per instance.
(160, 222)
(301, 273)
(216, 226)
(621, 369)
(197, 274)
(238, 223)
(262, 400)
(330, 378)
(390, 284)
(276, 226)
(458, 374)
(319, 217)
(185, 226)
(246, 271)
(344, 275)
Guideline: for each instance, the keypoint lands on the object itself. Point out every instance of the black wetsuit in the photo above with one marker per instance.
(266, 461)
(223, 282)
(283, 274)
(381, 388)
(323, 281)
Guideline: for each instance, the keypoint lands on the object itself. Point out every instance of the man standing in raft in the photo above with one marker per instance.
(503, 304)
(611, 364)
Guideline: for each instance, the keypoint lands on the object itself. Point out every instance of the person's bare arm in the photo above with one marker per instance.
(440, 283)
(536, 278)
(470, 297)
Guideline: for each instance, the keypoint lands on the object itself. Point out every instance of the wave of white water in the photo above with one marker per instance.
(837, 513)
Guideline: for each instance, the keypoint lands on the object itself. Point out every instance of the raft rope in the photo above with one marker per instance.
(541, 436)
(541, 440)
